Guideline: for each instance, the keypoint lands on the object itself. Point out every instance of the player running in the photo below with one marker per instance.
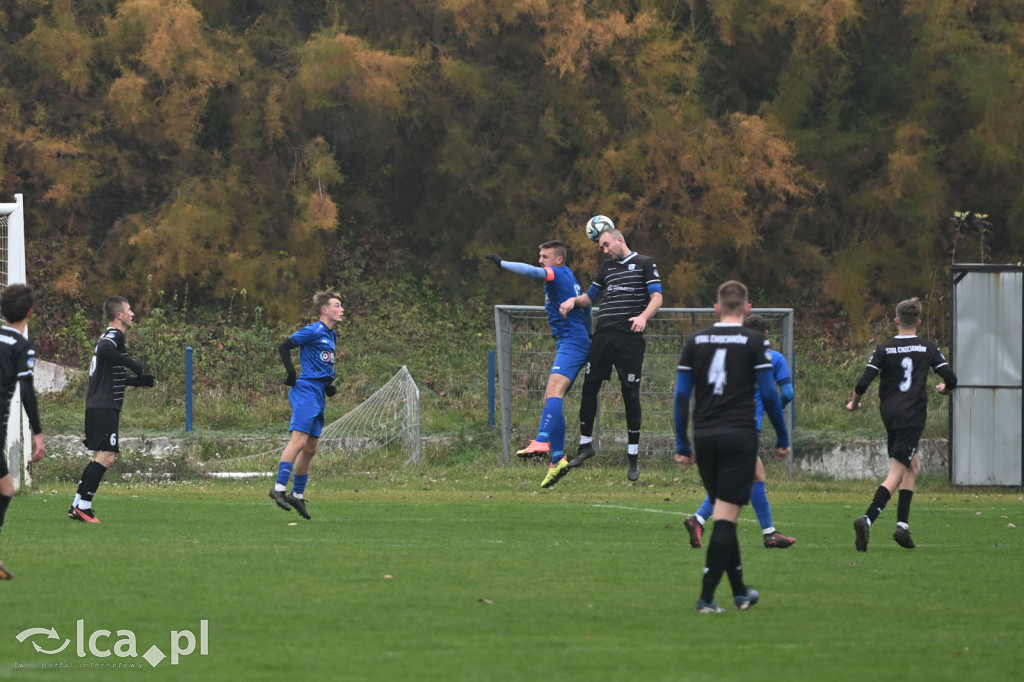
(572, 344)
(758, 495)
(903, 363)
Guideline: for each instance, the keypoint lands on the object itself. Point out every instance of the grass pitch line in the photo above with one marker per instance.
(640, 509)
(654, 511)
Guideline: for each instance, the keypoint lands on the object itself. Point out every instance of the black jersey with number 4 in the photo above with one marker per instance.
(903, 363)
(17, 361)
(108, 373)
(724, 361)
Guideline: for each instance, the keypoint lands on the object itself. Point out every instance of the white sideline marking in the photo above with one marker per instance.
(643, 509)
(239, 474)
(656, 511)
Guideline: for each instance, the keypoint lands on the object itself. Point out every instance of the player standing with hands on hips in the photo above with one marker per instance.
(572, 344)
(725, 365)
(902, 362)
(307, 395)
(631, 287)
(17, 360)
(108, 376)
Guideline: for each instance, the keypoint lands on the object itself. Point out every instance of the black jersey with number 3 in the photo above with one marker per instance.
(724, 360)
(903, 363)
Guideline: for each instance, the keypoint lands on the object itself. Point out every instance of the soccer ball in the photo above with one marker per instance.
(597, 225)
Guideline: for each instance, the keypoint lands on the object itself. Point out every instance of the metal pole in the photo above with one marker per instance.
(188, 388)
(490, 388)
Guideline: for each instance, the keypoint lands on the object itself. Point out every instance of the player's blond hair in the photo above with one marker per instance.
(322, 298)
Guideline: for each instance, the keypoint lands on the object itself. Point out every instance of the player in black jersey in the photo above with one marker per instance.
(631, 287)
(108, 376)
(902, 364)
(724, 366)
(17, 359)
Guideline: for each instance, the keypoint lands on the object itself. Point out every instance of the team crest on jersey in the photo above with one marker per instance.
(768, 355)
(327, 356)
(632, 266)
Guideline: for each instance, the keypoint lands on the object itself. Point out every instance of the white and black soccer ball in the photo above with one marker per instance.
(597, 225)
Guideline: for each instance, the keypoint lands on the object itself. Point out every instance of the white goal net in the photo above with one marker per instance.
(390, 415)
(18, 448)
(526, 350)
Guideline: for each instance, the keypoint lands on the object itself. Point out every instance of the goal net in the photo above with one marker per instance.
(526, 351)
(18, 448)
(390, 415)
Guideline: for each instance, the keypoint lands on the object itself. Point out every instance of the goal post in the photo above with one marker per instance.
(526, 351)
(18, 448)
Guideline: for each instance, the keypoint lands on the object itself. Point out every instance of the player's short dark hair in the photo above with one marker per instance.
(757, 322)
(732, 297)
(908, 312)
(113, 305)
(554, 244)
(16, 302)
(322, 298)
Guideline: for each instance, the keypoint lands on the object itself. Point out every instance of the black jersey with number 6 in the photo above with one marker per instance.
(724, 360)
(903, 363)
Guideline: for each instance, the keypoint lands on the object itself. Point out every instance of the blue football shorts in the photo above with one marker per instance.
(307, 401)
(570, 357)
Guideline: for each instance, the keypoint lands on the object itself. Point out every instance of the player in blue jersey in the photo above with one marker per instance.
(723, 366)
(17, 359)
(572, 343)
(758, 495)
(630, 288)
(307, 395)
(902, 365)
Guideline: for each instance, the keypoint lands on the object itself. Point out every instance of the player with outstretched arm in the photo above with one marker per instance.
(572, 345)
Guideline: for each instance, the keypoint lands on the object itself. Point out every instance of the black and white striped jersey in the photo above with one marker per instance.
(108, 372)
(623, 289)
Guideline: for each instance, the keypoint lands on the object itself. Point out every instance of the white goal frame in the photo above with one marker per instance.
(18, 448)
(526, 351)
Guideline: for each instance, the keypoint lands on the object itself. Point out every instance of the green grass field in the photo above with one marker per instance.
(473, 573)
